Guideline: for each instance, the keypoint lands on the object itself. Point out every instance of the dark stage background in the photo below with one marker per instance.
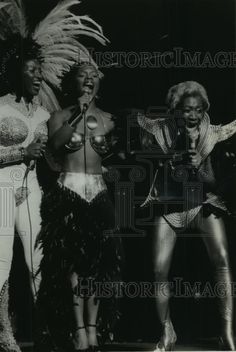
(147, 26)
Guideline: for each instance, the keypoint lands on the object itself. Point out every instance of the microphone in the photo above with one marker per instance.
(32, 163)
(85, 101)
(85, 107)
(193, 146)
(80, 110)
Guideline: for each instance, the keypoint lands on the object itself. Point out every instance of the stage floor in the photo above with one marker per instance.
(209, 345)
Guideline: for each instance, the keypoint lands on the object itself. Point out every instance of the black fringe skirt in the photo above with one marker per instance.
(77, 237)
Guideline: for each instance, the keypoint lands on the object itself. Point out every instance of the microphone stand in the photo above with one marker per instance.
(83, 116)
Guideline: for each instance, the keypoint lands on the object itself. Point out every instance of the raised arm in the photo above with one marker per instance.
(150, 125)
(226, 131)
(163, 127)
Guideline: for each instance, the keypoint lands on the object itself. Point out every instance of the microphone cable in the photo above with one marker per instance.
(25, 181)
(85, 107)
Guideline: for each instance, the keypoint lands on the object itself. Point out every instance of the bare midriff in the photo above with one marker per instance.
(83, 160)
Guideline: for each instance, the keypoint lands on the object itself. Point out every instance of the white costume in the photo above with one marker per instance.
(20, 194)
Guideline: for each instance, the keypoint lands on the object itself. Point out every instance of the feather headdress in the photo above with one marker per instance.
(57, 38)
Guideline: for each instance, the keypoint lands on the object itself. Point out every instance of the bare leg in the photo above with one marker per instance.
(163, 245)
(92, 312)
(80, 339)
(214, 237)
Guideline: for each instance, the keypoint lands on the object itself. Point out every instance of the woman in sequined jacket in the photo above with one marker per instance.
(23, 134)
(190, 198)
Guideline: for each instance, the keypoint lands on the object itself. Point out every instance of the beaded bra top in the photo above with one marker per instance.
(19, 124)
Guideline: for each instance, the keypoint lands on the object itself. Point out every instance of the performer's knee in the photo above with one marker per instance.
(160, 272)
(220, 259)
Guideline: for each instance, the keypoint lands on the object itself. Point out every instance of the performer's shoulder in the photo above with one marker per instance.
(43, 108)
(7, 99)
(44, 113)
(109, 120)
(215, 128)
(108, 117)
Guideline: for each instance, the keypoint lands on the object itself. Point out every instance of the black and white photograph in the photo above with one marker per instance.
(117, 175)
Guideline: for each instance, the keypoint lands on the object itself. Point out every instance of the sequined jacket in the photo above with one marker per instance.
(166, 134)
(19, 126)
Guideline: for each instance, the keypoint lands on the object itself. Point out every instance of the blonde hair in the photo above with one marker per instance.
(179, 92)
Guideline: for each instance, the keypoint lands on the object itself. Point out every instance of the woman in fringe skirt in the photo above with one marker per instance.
(81, 256)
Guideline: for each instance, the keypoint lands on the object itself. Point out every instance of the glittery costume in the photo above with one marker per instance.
(19, 126)
(20, 192)
(167, 137)
(78, 220)
(53, 43)
(7, 341)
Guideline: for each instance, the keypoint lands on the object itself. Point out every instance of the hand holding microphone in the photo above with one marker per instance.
(35, 149)
(82, 107)
(193, 155)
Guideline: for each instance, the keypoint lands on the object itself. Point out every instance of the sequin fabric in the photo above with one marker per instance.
(12, 131)
(20, 124)
(165, 131)
(87, 186)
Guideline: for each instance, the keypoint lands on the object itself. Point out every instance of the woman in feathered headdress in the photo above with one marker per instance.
(189, 198)
(82, 259)
(31, 64)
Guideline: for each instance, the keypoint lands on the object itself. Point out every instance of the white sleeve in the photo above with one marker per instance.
(226, 131)
(11, 155)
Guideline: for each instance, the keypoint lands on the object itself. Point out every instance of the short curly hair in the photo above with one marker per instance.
(179, 92)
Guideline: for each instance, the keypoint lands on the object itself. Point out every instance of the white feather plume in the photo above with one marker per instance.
(47, 98)
(58, 34)
(58, 37)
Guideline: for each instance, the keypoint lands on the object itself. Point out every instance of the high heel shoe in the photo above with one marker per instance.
(168, 339)
(75, 342)
(226, 340)
(226, 343)
(93, 348)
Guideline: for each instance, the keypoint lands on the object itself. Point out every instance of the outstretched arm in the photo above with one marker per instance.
(150, 125)
(163, 127)
(226, 131)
